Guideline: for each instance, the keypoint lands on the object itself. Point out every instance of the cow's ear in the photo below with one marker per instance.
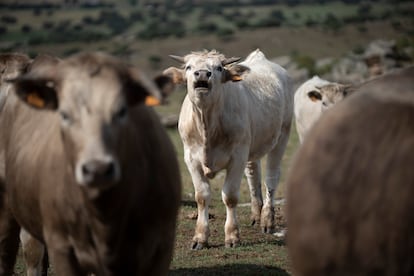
(166, 86)
(314, 96)
(347, 89)
(37, 93)
(176, 75)
(140, 89)
(234, 72)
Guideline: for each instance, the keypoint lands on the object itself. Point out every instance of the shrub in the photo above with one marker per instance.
(3, 30)
(225, 34)
(26, 28)
(207, 27)
(306, 62)
(359, 50)
(331, 22)
(9, 19)
(47, 25)
(115, 21)
(310, 22)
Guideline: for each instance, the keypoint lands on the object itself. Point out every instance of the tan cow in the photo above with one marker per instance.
(11, 65)
(89, 169)
(232, 116)
(351, 185)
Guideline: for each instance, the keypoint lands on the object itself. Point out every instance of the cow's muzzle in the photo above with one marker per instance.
(97, 172)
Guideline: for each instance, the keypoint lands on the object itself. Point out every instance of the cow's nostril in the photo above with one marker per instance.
(208, 74)
(197, 73)
(96, 169)
(87, 169)
(110, 170)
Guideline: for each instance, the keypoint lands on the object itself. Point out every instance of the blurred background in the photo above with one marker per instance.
(345, 40)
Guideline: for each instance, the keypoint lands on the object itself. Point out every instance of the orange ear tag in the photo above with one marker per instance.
(151, 101)
(34, 100)
(236, 78)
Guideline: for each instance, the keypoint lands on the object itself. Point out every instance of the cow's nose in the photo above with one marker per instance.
(202, 74)
(98, 169)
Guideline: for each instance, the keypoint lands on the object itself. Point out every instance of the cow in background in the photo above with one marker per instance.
(233, 115)
(313, 98)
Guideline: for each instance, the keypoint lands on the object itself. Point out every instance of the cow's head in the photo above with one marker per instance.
(93, 95)
(330, 94)
(204, 72)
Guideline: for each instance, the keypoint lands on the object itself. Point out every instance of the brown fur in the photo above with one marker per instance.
(350, 206)
(11, 65)
(123, 227)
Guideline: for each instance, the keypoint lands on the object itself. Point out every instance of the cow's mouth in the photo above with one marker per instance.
(201, 86)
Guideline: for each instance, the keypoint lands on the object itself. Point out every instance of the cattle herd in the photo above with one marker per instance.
(90, 182)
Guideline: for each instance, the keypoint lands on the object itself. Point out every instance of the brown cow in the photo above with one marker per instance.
(350, 189)
(89, 171)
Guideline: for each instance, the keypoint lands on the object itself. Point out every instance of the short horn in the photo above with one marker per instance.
(177, 58)
(227, 61)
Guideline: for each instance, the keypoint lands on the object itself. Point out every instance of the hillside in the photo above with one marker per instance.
(146, 32)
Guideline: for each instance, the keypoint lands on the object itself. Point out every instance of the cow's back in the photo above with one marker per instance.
(267, 92)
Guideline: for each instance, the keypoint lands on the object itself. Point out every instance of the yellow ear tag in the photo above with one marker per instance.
(34, 100)
(151, 101)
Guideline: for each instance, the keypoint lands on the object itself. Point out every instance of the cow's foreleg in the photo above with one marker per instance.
(202, 195)
(33, 252)
(62, 256)
(9, 236)
(253, 175)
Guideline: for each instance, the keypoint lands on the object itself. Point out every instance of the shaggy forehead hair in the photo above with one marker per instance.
(205, 54)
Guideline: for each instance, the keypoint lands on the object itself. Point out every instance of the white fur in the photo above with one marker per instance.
(307, 112)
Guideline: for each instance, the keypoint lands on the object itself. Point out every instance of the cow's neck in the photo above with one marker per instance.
(207, 119)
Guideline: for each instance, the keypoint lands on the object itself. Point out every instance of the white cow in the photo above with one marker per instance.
(232, 116)
(312, 98)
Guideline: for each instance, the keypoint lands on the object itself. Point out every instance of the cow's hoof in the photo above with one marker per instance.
(268, 230)
(232, 244)
(199, 245)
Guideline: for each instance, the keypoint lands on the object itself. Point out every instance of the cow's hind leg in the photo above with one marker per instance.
(274, 159)
(230, 197)
(253, 175)
(9, 237)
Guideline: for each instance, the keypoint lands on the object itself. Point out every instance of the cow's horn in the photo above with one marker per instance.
(230, 60)
(177, 58)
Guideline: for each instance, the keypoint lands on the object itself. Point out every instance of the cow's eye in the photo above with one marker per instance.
(219, 68)
(188, 67)
(65, 116)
